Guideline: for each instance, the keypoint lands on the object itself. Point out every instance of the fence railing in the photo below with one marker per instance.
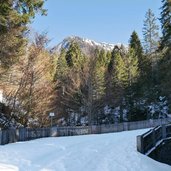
(25, 134)
(150, 140)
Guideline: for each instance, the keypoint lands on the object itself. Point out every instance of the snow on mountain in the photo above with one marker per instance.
(106, 152)
(87, 46)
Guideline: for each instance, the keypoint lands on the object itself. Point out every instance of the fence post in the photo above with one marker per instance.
(4, 137)
(99, 130)
(151, 123)
(53, 132)
(90, 129)
(153, 137)
(22, 134)
(125, 126)
(140, 145)
(17, 135)
(163, 131)
(0, 137)
(11, 135)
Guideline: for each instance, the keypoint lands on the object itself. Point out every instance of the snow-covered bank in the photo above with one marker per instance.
(107, 152)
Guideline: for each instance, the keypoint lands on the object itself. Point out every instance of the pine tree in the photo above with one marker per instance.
(125, 75)
(114, 52)
(135, 44)
(74, 56)
(120, 74)
(69, 75)
(116, 77)
(61, 66)
(150, 33)
(103, 57)
(132, 66)
(144, 63)
(151, 42)
(166, 24)
(126, 69)
(132, 71)
(98, 77)
(94, 86)
(114, 90)
(14, 18)
(165, 51)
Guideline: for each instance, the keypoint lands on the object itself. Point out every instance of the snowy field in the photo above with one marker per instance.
(107, 152)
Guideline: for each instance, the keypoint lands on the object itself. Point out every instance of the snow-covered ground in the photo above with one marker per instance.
(107, 152)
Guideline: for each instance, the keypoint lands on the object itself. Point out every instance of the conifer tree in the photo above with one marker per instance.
(95, 87)
(69, 72)
(166, 24)
(61, 66)
(151, 43)
(114, 90)
(108, 57)
(126, 68)
(165, 71)
(99, 79)
(132, 71)
(120, 74)
(102, 57)
(14, 17)
(74, 56)
(125, 75)
(150, 33)
(135, 58)
(132, 67)
(135, 44)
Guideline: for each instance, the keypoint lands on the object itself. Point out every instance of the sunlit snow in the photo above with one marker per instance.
(106, 152)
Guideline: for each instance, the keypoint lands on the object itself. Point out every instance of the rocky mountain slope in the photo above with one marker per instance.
(87, 46)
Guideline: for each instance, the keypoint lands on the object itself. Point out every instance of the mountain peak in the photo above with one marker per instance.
(87, 45)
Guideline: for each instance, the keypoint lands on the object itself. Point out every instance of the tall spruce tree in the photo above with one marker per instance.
(126, 70)
(61, 66)
(166, 24)
(103, 57)
(126, 74)
(120, 74)
(150, 33)
(131, 62)
(113, 86)
(74, 56)
(151, 44)
(14, 17)
(165, 63)
(69, 75)
(97, 72)
(132, 91)
(135, 44)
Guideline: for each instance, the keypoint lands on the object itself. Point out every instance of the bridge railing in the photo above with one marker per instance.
(149, 141)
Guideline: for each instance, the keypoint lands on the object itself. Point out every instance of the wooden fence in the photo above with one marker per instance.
(150, 140)
(25, 134)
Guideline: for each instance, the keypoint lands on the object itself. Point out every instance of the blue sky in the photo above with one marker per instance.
(109, 21)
